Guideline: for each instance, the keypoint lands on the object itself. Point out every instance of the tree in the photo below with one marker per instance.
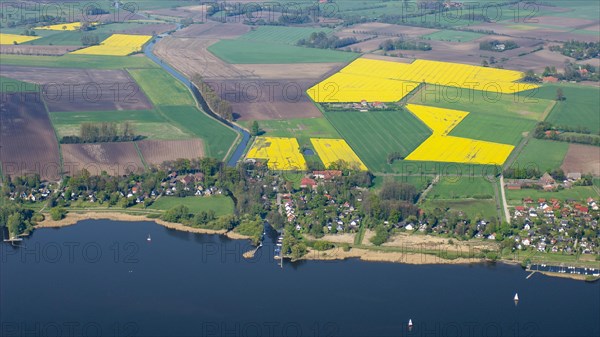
(559, 94)
(58, 213)
(255, 130)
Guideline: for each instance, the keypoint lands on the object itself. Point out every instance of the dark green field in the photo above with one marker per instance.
(579, 109)
(161, 87)
(220, 204)
(543, 154)
(462, 187)
(281, 34)
(474, 209)
(374, 135)
(241, 51)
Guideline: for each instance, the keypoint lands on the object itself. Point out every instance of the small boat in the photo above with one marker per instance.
(149, 238)
(516, 297)
(410, 324)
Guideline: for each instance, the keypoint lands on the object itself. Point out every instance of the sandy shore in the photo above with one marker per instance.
(374, 255)
(72, 218)
(565, 275)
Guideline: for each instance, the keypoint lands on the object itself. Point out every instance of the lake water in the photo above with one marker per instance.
(105, 278)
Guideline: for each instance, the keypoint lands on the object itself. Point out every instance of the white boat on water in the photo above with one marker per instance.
(149, 238)
(516, 298)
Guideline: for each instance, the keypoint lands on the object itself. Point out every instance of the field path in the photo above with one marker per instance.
(504, 204)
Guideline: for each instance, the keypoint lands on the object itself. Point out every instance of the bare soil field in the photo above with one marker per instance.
(213, 30)
(155, 152)
(82, 89)
(300, 71)
(189, 55)
(565, 22)
(198, 11)
(537, 61)
(368, 45)
(267, 99)
(538, 32)
(149, 29)
(114, 158)
(390, 30)
(28, 142)
(36, 50)
(583, 159)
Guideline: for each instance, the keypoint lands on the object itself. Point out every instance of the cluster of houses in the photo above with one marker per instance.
(561, 220)
(33, 195)
(546, 182)
(344, 219)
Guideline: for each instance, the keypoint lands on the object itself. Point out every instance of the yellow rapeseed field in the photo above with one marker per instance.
(376, 80)
(12, 38)
(333, 150)
(117, 45)
(62, 26)
(441, 147)
(281, 153)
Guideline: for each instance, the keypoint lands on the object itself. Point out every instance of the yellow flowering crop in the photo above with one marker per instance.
(281, 153)
(62, 26)
(12, 38)
(376, 80)
(441, 147)
(333, 150)
(117, 45)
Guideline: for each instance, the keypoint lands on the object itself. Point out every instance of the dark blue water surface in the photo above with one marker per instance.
(104, 278)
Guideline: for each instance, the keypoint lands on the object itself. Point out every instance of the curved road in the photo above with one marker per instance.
(239, 150)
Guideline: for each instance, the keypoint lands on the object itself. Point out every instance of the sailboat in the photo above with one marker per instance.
(516, 297)
(149, 238)
(410, 324)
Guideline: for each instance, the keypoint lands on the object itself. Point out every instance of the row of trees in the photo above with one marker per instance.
(571, 134)
(218, 105)
(401, 44)
(323, 41)
(500, 46)
(103, 132)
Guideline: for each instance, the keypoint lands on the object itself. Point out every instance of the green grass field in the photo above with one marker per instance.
(452, 35)
(220, 204)
(579, 109)
(9, 85)
(462, 187)
(248, 52)
(474, 209)
(79, 61)
(301, 128)
(281, 34)
(162, 88)
(579, 193)
(374, 135)
(66, 38)
(501, 119)
(420, 182)
(543, 154)
(147, 123)
(218, 138)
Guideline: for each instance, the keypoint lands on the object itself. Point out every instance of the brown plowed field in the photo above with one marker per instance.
(114, 158)
(583, 159)
(157, 151)
(27, 141)
(82, 89)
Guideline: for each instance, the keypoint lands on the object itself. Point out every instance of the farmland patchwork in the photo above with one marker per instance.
(443, 148)
(375, 80)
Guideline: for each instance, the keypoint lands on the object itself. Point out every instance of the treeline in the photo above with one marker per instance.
(401, 44)
(494, 45)
(218, 105)
(17, 219)
(578, 50)
(570, 134)
(103, 132)
(322, 41)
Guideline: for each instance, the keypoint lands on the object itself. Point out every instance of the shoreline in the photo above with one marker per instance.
(73, 218)
(335, 254)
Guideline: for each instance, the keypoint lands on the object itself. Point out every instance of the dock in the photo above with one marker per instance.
(530, 275)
